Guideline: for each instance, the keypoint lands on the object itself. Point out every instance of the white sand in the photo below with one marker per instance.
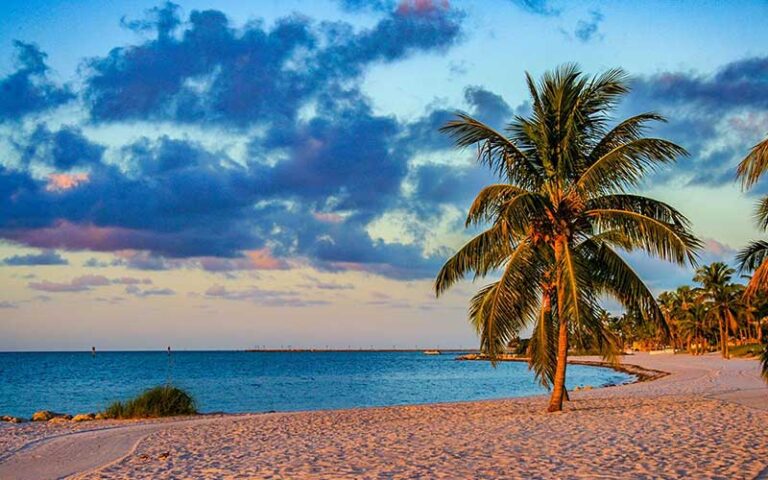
(707, 419)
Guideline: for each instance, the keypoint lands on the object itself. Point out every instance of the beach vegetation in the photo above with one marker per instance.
(552, 227)
(712, 316)
(161, 401)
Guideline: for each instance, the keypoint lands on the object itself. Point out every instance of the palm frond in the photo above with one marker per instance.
(761, 213)
(503, 308)
(497, 152)
(758, 282)
(754, 165)
(618, 279)
(625, 165)
(648, 207)
(752, 256)
(624, 132)
(489, 199)
(485, 252)
(542, 347)
(655, 237)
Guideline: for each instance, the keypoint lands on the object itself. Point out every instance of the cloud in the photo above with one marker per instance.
(47, 257)
(270, 298)
(204, 70)
(538, 7)
(368, 5)
(148, 292)
(96, 263)
(308, 186)
(77, 284)
(28, 89)
(716, 117)
(131, 281)
(63, 149)
(587, 30)
(315, 283)
(56, 287)
(5, 304)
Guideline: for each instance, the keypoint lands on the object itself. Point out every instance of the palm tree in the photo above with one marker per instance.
(724, 303)
(561, 208)
(754, 258)
(668, 303)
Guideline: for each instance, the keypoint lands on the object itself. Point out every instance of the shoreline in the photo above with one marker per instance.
(640, 373)
(653, 429)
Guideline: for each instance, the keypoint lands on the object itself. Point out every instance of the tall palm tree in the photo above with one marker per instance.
(754, 257)
(724, 304)
(561, 208)
(670, 308)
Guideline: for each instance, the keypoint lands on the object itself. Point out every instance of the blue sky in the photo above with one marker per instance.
(226, 174)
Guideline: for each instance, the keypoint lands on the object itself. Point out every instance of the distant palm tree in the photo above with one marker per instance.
(723, 297)
(754, 258)
(561, 209)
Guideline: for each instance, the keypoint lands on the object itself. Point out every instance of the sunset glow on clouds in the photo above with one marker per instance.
(253, 161)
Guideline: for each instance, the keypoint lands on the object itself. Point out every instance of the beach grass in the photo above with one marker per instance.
(749, 350)
(161, 401)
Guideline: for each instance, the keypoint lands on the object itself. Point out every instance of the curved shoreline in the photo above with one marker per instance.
(641, 374)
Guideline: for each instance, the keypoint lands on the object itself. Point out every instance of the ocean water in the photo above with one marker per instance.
(265, 381)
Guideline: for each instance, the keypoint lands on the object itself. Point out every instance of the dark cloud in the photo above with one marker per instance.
(423, 133)
(587, 30)
(368, 5)
(700, 107)
(29, 89)
(48, 257)
(208, 71)
(310, 184)
(5, 304)
(63, 149)
(538, 7)
(445, 184)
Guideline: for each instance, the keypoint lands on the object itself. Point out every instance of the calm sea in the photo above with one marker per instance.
(264, 381)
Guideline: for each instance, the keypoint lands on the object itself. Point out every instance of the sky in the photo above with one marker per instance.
(225, 174)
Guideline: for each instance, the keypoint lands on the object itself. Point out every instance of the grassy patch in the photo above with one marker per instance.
(164, 401)
(750, 350)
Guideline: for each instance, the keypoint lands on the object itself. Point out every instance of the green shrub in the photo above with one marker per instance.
(163, 401)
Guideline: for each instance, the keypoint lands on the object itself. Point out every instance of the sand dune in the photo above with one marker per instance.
(707, 419)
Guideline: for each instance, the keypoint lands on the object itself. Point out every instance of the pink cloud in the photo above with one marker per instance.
(262, 259)
(58, 182)
(421, 7)
(68, 235)
(327, 217)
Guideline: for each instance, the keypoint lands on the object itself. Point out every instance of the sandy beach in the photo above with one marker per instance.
(707, 419)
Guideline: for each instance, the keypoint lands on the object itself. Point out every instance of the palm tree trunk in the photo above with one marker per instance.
(722, 336)
(558, 389)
